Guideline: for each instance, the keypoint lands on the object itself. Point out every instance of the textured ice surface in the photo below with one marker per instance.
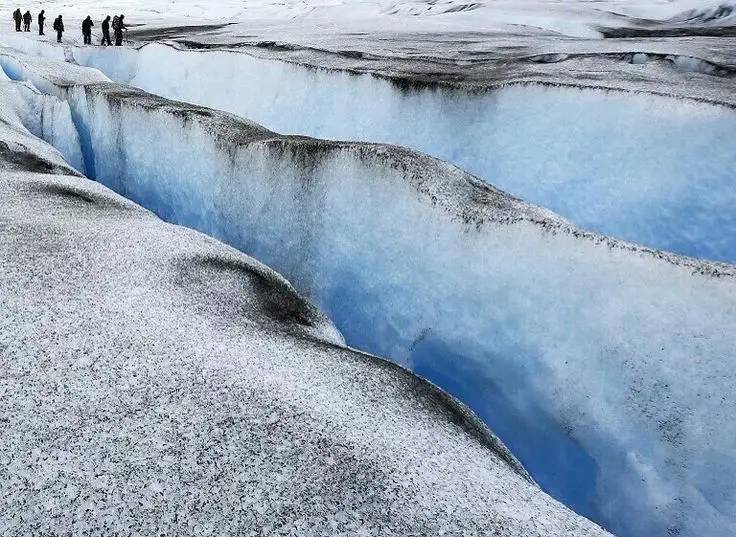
(607, 368)
(652, 170)
(156, 382)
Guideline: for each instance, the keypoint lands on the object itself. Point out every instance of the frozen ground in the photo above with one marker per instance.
(156, 381)
(607, 367)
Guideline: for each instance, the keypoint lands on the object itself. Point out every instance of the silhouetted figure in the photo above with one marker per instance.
(87, 25)
(18, 17)
(27, 20)
(59, 27)
(118, 24)
(106, 31)
(41, 22)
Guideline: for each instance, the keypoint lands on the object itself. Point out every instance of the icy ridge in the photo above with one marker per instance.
(25, 110)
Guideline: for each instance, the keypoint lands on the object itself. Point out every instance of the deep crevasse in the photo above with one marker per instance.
(533, 350)
(607, 370)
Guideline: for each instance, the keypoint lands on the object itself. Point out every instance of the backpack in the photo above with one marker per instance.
(56, 24)
(115, 22)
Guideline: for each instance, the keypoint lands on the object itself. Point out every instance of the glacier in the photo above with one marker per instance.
(606, 367)
(156, 381)
(623, 164)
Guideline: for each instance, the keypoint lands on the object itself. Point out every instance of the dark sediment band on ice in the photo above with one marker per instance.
(671, 31)
(519, 70)
(501, 62)
(462, 196)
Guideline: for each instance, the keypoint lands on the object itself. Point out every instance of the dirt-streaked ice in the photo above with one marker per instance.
(155, 381)
(607, 367)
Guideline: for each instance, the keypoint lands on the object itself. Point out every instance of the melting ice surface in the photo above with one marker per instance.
(609, 373)
(656, 171)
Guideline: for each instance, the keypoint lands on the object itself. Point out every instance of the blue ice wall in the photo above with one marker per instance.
(655, 171)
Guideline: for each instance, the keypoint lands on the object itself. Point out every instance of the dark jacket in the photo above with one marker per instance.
(118, 24)
(59, 24)
(87, 25)
(17, 15)
(28, 18)
(41, 19)
(106, 26)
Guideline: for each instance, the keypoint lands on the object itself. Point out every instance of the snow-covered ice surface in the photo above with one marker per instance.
(607, 368)
(154, 381)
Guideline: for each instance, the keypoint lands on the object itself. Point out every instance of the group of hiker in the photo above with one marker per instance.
(116, 23)
(24, 19)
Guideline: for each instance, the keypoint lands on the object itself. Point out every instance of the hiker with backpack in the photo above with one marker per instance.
(27, 20)
(18, 18)
(118, 25)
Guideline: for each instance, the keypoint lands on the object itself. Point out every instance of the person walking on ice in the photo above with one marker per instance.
(59, 27)
(106, 31)
(41, 22)
(18, 18)
(27, 20)
(87, 25)
(118, 24)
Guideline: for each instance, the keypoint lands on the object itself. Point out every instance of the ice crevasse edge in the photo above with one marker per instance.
(628, 420)
(622, 164)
